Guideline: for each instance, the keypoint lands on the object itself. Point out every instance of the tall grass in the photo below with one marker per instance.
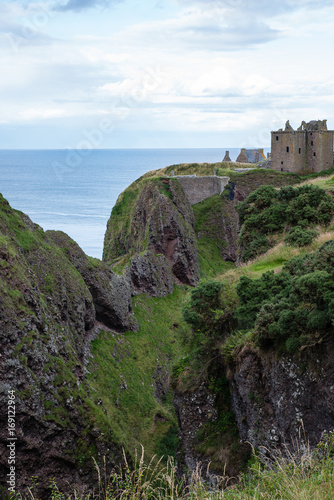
(300, 474)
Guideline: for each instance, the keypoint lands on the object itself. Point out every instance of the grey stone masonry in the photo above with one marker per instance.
(307, 149)
(199, 188)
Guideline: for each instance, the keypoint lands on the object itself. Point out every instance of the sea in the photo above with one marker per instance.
(75, 190)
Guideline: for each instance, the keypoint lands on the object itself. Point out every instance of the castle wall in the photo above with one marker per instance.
(319, 150)
(199, 188)
(301, 150)
(282, 151)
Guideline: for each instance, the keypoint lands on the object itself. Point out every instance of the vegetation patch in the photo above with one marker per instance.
(267, 212)
(125, 367)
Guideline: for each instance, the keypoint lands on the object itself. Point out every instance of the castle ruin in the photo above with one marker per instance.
(307, 149)
(250, 156)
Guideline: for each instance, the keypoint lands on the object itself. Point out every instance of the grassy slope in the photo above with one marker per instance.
(123, 370)
(276, 257)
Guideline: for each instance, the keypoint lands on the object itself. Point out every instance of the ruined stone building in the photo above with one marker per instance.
(227, 156)
(307, 149)
(250, 156)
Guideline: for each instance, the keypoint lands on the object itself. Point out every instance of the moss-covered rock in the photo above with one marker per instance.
(154, 217)
(111, 293)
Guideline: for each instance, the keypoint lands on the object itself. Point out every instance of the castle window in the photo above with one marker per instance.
(287, 149)
(276, 137)
(311, 143)
(281, 163)
(300, 150)
(314, 154)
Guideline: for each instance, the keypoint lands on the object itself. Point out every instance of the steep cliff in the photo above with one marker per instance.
(48, 317)
(280, 400)
(151, 228)
(111, 294)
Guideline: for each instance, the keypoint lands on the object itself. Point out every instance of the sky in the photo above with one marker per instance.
(85, 74)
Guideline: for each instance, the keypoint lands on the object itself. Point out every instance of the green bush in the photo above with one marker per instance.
(268, 211)
(300, 237)
(210, 309)
(303, 309)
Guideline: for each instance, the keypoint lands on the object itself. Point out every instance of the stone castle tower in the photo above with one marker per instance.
(307, 149)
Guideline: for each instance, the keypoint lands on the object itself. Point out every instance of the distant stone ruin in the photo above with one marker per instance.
(227, 156)
(307, 149)
(250, 155)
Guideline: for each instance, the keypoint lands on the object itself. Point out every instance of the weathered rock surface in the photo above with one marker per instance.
(198, 189)
(194, 409)
(111, 293)
(162, 224)
(151, 273)
(204, 441)
(274, 398)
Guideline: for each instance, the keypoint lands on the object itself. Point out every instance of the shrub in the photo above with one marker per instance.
(300, 237)
(267, 211)
(293, 306)
(211, 307)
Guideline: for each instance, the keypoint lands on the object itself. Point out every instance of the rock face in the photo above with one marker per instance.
(273, 398)
(194, 409)
(151, 273)
(161, 230)
(111, 293)
(51, 297)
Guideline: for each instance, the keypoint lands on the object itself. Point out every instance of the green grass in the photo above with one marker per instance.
(276, 257)
(210, 260)
(324, 182)
(121, 217)
(210, 238)
(124, 367)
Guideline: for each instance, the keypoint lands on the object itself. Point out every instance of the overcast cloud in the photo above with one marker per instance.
(224, 72)
(79, 5)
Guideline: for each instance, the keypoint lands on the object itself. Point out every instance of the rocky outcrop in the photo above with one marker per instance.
(280, 399)
(150, 273)
(111, 293)
(159, 237)
(194, 409)
(206, 439)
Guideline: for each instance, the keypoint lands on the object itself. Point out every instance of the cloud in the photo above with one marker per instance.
(262, 8)
(204, 29)
(31, 114)
(79, 5)
(22, 25)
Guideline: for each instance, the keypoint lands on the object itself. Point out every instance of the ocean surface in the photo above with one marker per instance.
(75, 191)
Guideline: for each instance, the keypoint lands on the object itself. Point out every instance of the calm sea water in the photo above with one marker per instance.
(75, 191)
